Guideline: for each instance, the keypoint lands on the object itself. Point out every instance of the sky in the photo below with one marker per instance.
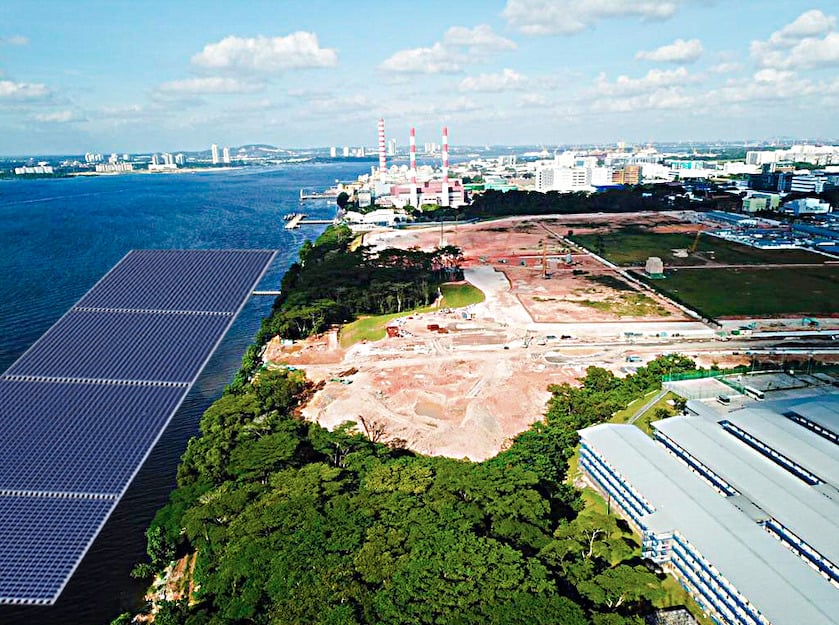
(112, 76)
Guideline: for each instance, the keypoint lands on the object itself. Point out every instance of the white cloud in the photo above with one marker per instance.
(23, 91)
(654, 79)
(266, 54)
(481, 38)
(658, 99)
(59, 117)
(459, 47)
(434, 60)
(566, 17)
(14, 40)
(809, 24)
(808, 41)
(506, 80)
(680, 51)
(207, 86)
(725, 68)
(771, 75)
(534, 100)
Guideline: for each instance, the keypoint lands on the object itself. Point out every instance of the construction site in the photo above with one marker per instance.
(463, 382)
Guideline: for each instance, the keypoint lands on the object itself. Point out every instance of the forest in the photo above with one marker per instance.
(291, 523)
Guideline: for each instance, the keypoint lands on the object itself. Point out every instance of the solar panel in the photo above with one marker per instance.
(178, 280)
(82, 408)
(158, 346)
(42, 540)
(60, 437)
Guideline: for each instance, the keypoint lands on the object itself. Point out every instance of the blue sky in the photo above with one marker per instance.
(178, 75)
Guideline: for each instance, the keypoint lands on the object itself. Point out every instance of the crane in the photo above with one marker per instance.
(695, 245)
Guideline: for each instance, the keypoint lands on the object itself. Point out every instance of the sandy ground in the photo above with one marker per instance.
(465, 390)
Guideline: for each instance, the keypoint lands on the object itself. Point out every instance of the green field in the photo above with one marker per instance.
(629, 247)
(460, 295)
(755, 292)
(372, 328)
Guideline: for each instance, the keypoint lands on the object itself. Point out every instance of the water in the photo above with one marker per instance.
(57, 237)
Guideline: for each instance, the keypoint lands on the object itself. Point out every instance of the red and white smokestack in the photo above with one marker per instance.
(413, 155)
(444, 190)
(445, 154)
(412, 147)
(382, 150)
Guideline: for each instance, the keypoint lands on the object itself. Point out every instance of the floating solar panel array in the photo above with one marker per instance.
(83, 407)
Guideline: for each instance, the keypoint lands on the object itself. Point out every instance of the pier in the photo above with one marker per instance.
(299, 219)
(314, 195)
(294, 222)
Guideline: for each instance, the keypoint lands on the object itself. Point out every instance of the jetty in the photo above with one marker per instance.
(294, 221)
(299, 219)
(314, 195)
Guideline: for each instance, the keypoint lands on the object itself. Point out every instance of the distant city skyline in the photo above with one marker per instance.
(179, 76)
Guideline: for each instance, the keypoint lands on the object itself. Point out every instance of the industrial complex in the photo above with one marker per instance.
(742, 507)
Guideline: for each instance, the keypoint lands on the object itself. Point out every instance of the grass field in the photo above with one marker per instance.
(755, 292)
(460, 295)
(372, 328)
(629, 247)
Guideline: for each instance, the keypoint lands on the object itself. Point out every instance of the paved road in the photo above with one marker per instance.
(648, 405)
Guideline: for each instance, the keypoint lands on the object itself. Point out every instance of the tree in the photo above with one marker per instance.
(622, 586)
(342, 200)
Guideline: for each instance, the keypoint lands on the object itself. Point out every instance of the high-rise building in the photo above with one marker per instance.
(154, 159)
(167, 159)
(333, 152)
(214, 151)
(346, 151)
(180, 159)
(391, 147)
(225, 155)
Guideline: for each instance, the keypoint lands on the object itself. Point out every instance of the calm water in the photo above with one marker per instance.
(57, 237)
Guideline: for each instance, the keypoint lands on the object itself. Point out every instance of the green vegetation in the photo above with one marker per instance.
(460, 295)
(632, 246)
(372, 328)
(627, 305)
(493, 203)
(660, 410)
(754, 292)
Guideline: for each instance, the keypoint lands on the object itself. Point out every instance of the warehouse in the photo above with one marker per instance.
(708, 518)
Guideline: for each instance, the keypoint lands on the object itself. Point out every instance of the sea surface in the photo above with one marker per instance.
(58, 237)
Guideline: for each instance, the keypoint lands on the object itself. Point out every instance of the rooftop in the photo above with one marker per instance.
(780, 585)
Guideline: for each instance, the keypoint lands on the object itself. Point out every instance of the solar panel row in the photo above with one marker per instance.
(178, 280)
(78, 438)
(123, 346)
(82, 408)
(42, 540)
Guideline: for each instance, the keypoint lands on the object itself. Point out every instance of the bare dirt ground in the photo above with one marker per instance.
(467, 388)
(526, 250)
(459, 394)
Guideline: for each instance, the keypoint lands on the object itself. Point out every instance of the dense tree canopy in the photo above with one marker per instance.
(296, 524)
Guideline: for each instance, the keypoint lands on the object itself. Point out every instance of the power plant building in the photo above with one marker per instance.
(742, 508)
